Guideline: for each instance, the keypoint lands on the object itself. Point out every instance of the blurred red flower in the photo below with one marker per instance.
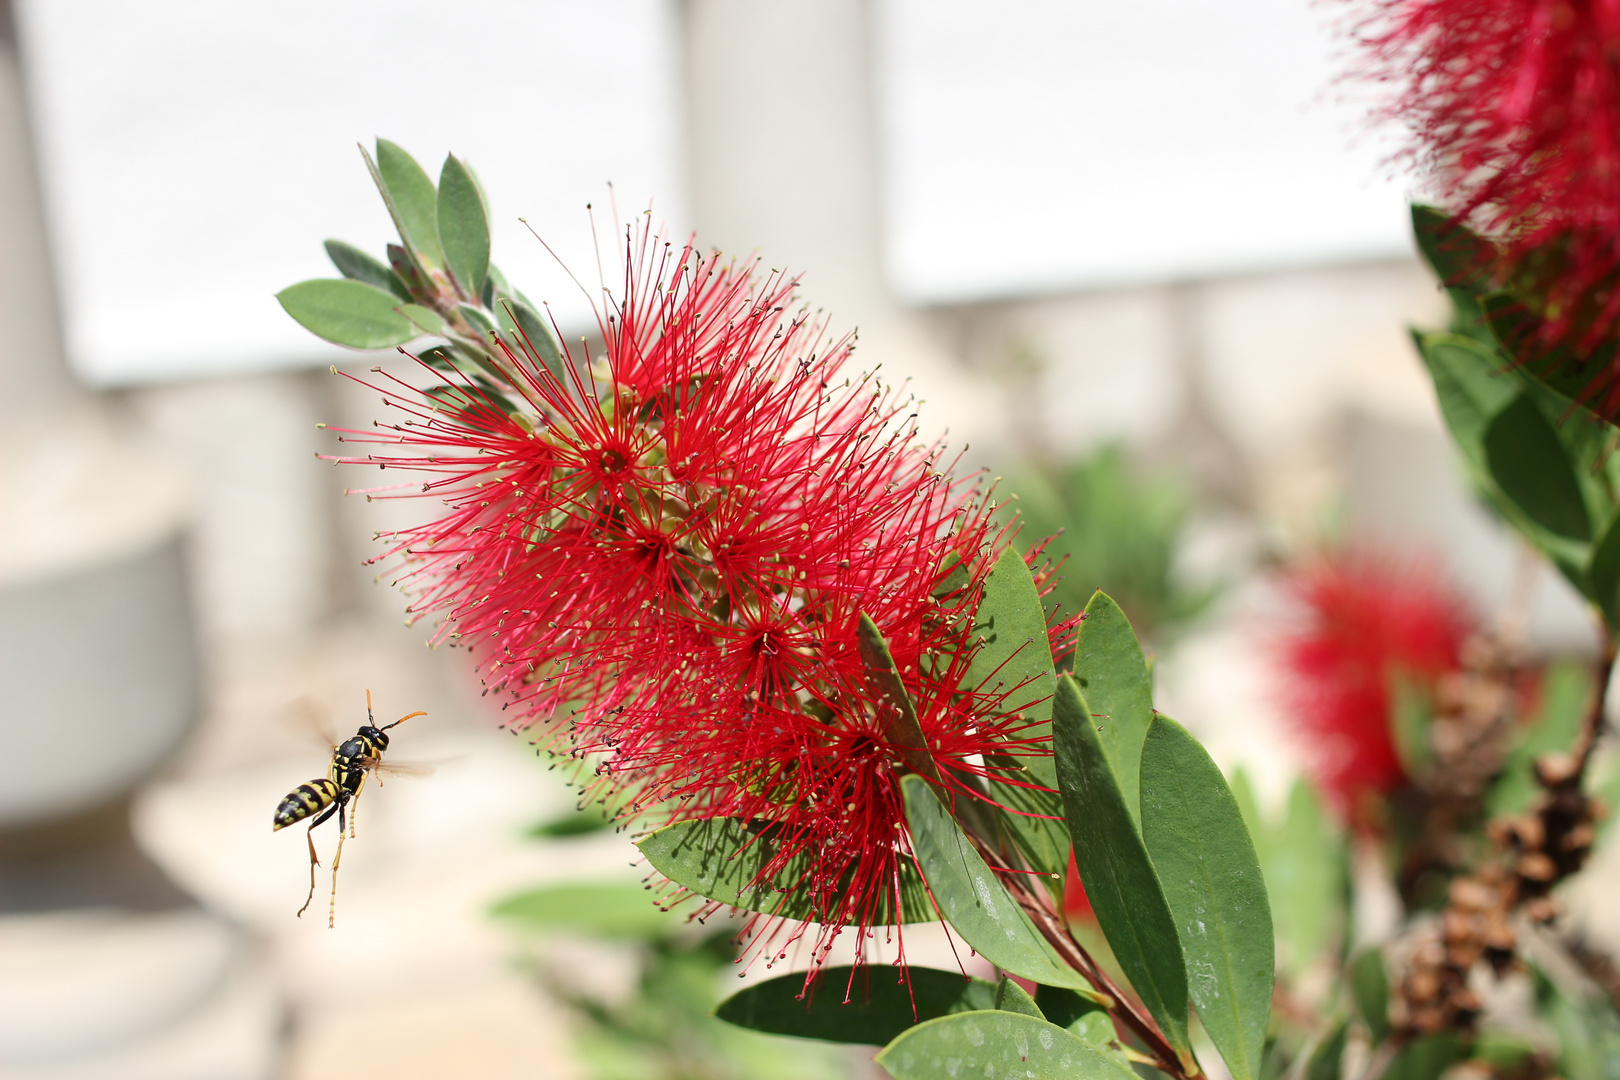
(1364, 619)
(1516, 108)
(660, 555)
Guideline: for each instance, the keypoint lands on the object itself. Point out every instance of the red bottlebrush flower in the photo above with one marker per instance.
(660, 556)
(1365, 619)
(1516, 108)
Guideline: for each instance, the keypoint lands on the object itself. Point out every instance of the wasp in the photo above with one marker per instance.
(338, 793)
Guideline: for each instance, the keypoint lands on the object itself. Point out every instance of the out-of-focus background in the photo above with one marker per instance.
(1143, 259)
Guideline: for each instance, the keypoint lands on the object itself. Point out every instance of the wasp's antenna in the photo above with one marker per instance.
(369, 718)
(401, 720)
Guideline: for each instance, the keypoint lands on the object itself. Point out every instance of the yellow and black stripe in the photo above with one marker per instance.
(307, 799)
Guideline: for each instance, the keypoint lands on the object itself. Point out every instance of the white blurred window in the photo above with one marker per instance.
(195, 153)
(1034, 145)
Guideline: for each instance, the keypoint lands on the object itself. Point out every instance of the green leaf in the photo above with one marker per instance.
(1566, 689)
(426, 320)
(1080, 1017)
(1121, 883)
(999, 1044)
(573, 823)
(1426, 1058)
(1603, 573)
(725, 860)
(528, 335)
(357, 265)
(879, 1008)
(972, 900)
(411, 200)
(1557, 366)
(1305, 873)
(1012, 658)
(1531, 467)
(348, 313)
(608, 910)
(463, 224)
(1010, 997)
(1210, 873)
(1108, 667)
(1369, 987)
(896, 716)
(1327, 1058)
(1461, 259)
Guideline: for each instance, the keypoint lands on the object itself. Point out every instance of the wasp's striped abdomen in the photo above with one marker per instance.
(306, 799)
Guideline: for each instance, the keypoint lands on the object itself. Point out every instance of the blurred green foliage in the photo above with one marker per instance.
(1118, 528)
(666, 1028)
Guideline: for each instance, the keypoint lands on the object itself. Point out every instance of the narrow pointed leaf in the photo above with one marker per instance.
(357, 265)
(726, 860)
(996, 1044)
(1195, 835)
(879, 1008)
(463, 222)
(1531, 467)
(1369, 986)
(1121, 883)
(527, 334)
(1110, 672)
(972, 900)
(1326, 1061)
(426, 320)
(1604, 575)
(895, 714)
(348, 313)
(413, 201)
(1010, 997)
(1012, 663)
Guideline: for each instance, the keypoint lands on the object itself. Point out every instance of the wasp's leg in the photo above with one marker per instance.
(354, 811)
(314, 860)
(337, 859)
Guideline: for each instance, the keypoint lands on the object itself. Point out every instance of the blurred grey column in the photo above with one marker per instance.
(106, 968)
(783, 158)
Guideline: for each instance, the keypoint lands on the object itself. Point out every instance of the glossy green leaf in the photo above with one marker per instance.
(1109, 670)
(1012, 663)
(608, 910)
(1123, 887)
(348, 313)
(726, 860)
(1471, 384)
(1369, 988)
(463, 222)
(412, 201)
(1327, 1057)
(879, 1008)
(357, 265)
(1079, 1016)
(1010, 997)
(1210, 873)
(1530, 466)
(996, 1044)
(972, 900)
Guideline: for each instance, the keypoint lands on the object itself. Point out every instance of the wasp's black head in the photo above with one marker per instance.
(376, 735)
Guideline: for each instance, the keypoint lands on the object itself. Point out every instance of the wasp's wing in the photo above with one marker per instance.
(414, 770)
(315, 721)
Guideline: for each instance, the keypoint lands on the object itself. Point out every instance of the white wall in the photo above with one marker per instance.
(195, 153)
